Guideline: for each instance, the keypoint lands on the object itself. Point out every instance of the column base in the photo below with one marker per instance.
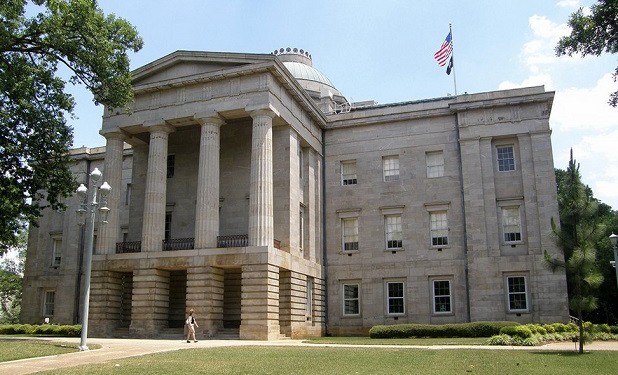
(260, 332)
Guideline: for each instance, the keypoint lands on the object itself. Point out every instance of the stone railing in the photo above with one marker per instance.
(178, 244)
(128, 247)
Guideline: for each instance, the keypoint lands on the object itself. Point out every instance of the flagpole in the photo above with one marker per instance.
(453, 57)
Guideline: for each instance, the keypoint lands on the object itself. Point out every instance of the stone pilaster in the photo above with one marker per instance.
(207, 204)
(261, 180)
(153, 229)
(310, 200)
(105, 303)
(205, 296)
(260, 302)
(112, 173)
(150, 305)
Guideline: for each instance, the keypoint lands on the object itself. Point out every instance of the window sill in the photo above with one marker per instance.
(446, 313)
(395, 250)
(350, 316)
(349, 252)
(440, 248)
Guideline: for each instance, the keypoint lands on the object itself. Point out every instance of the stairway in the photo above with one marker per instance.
(227, 334)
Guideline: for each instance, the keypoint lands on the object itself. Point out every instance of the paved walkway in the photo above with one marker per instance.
(113, 349)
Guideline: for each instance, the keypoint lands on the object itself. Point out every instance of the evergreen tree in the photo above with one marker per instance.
(579, 231)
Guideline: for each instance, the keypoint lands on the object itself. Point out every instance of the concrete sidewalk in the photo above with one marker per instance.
(113, 349)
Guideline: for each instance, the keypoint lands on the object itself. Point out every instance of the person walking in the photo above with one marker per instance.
(191, 323)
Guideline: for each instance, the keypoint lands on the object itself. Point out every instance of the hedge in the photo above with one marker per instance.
(43, 329)
(476, 329)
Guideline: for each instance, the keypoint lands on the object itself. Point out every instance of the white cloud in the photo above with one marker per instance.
(581, 118)
(585, 108)
(568, 3)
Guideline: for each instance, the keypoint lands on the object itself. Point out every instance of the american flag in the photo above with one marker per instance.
(445, 51)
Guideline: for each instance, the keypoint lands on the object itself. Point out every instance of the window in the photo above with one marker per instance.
(309, 302)
(301, 227)
(435, 164)
(390, 165)
(349, 227)
(171, 159)
(56, 251)
(348, 172)
(441, 296)
(395, 297)
(506, 158)
(300, 162)
(511, 224)
(351, 299)
(517, 294)
(168, 225)
(48, 303)
(127, 198)
(438, 228)
(392, 231)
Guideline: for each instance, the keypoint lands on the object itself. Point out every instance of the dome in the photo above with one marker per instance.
(301, 71)
(300, 65)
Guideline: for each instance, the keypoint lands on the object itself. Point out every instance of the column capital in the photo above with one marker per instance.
(158, 126)
(262, 110)
(209, 117)
(115, 133)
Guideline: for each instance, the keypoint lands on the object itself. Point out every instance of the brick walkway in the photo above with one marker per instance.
(113, 349)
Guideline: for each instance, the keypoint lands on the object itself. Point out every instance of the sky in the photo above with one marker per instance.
(383, 50)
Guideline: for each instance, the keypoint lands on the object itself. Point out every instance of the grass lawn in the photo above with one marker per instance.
(340, 361)
(11, 350)
(411, 341)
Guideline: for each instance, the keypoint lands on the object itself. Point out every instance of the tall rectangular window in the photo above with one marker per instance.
(517, 293)
(351, 299)
(301, 227)
(348, 172)
(300, 162)
(395, 297)
(349, 228)
(438, 228)
(309, 302)
(48, 302)
(127, 198)
(506, 158)
(441, 296)
(392, 231)
(168, 225)
(435, 164)
(56, 251)
(171, 161)
(390, 167)
(511, 224)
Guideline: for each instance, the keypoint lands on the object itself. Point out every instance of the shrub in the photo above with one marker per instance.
(476, 329)
(549, 328)
(504, 340)
(45, 329)
(522, 332)
(614, 329)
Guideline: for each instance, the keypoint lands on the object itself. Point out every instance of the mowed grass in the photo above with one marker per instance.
(11, 350)
(410, 341)
(367, 360)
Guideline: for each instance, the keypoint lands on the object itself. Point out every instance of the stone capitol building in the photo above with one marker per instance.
(246, 187)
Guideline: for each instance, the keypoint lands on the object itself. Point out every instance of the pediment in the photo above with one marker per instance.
(192, 63)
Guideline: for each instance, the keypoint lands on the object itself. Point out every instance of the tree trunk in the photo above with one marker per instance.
(580, 323)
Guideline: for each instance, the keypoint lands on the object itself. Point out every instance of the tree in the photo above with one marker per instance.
(593, 34)
(11, 280)
(34, 135)
(580, 229)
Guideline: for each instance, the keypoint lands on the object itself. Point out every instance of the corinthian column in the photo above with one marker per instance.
(261, 181)
(112, 173)
(153, 227)
(207, 204)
